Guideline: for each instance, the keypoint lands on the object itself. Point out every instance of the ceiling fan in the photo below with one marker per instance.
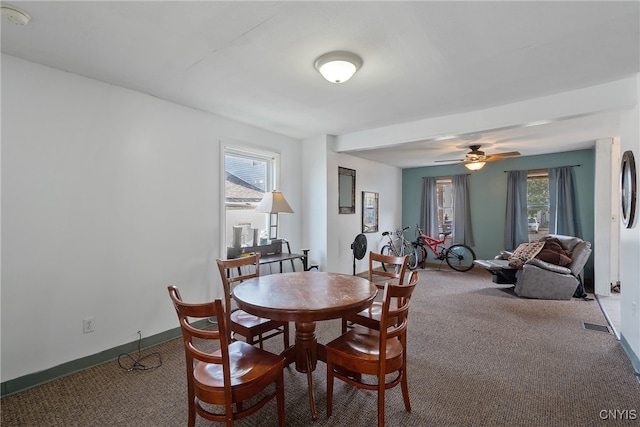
(475, 159)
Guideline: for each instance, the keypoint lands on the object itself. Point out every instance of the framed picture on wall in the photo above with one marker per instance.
(369, 212)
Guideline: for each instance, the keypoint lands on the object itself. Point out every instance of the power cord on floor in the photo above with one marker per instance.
(137, 361)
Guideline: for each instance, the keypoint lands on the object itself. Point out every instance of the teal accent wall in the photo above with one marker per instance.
(489, 195)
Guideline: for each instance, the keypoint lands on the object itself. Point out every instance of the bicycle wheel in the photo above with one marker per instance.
(411, 251)
(389, 251)
(460, 257)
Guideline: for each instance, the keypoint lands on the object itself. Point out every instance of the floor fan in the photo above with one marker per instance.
(359, 248)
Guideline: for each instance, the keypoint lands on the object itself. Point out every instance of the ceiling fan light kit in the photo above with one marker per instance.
(474, 166)
(339, 66)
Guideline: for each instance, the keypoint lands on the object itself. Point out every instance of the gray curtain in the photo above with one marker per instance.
(564, 213)
(462, 231)
(515, 226)
(429, 206)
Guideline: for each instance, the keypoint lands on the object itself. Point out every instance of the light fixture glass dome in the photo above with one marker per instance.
(474, 166)
(338, 67)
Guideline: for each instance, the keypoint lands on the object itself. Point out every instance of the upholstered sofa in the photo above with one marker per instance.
(544, 280)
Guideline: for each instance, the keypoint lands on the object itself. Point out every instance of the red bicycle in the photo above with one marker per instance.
(460, 257)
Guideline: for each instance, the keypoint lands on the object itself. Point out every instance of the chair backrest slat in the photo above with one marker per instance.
(376, 260)
(393, 321)
(234, 271)
(212, 338)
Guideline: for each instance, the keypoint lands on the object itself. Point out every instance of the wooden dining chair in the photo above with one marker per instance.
(364, 351)
(370, 316)
(253, 328)
(210, 374)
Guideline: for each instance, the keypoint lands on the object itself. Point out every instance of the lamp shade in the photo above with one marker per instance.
(273, 202)
(338, 67)
(474, 166)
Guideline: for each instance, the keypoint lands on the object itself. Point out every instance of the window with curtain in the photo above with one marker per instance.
(537, 203)
(445, 208)
(545, 200)
(444, 199)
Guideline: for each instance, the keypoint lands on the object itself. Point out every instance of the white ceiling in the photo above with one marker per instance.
(253, 62)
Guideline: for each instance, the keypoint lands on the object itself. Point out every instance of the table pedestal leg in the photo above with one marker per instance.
(307, 356)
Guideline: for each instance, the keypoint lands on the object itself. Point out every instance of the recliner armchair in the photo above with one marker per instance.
(540, 279)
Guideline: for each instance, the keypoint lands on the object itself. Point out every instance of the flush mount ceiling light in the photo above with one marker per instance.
(15, 15)
(338, 67)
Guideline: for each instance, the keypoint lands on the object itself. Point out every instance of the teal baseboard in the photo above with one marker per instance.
(37, 378)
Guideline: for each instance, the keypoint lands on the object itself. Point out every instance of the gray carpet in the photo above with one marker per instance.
(478, 356)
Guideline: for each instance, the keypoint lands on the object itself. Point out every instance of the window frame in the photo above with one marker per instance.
(272, 176)
(534, 174)
(441, 182)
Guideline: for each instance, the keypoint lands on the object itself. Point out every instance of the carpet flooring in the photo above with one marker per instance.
(478, 356)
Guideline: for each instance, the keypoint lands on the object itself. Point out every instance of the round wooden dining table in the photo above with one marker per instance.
(305, 298)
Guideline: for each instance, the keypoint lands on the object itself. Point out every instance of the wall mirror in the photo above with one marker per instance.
(628, 190)
(346, 191)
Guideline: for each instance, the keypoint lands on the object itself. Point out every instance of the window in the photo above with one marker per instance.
(248, 176)
(538, 203)
(444, 199)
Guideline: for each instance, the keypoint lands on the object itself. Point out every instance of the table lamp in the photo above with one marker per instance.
(273, 203)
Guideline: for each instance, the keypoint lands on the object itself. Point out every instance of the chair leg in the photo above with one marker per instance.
(329, 387)
(286, 335)
(192, 407)
(381, 389)
(280, 399)
(192, 415)
(228, 413)
(405, 390)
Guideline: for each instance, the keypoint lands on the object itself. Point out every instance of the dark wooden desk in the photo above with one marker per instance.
(283, 256)
(273, 253)
(305, 298)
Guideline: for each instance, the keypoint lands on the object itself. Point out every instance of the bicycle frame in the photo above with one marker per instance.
(397, 249)
(431, 243)
(458, 256)
(400, 246)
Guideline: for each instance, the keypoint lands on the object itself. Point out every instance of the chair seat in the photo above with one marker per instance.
(360, 348)
(369, 317)
(249, 320)
(373, 312)
(254, 329)
(248, 364)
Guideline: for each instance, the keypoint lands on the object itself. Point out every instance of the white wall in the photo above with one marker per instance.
(314, 182)
(108, 196)
(630, 243)
(606, 219)
(343, 228)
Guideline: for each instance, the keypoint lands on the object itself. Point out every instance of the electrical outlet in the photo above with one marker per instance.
(88, 325)
(634, 309)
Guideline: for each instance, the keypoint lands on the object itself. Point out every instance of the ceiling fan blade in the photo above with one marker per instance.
(450, 160)
(507, 154)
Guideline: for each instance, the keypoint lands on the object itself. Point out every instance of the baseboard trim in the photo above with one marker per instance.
(634, 358)
(37, 378)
